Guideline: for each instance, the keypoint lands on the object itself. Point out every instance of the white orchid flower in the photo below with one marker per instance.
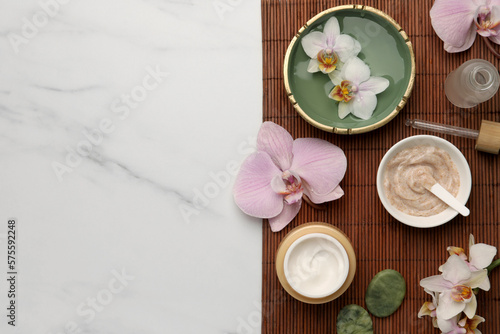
(455, 286)
(355, 89)
(429, 308)
(451, 326)
(480, 256)
(470, 325)
(329, 47)
(464, 326)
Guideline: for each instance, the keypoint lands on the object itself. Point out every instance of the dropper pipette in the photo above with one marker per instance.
(442, 128)
(488, 137)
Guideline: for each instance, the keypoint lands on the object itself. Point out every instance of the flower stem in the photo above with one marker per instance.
(491, 48)
(314, 205)
(493, 265)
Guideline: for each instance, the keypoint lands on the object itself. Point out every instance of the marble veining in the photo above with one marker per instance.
(122, 125)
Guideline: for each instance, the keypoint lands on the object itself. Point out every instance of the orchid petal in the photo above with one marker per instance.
(448, 325)
(318, 199)
(313, 66)
(476, 278)
(313, 43)
(469, 40)
(319, 163)
(452, 20)
(336, 77)
(445, 325)
(485, 33)
(492, 28)
(339, 67)
(424, 310)
(286, 216)
(375, 84)
(252, 189)
(346, 47)
(357, 46)
(495, 39)
(293, 198)
(457, 251)
(456, 270)
(447, 307)
(356, 71)
(495, 10)
(278, 185)
(475, 321)
(344, 109)
(470, 308)
(277, 142)
(471, 240)
(435, 283)
(331, 30)
(485, 285)
(433, 295)
(363, 104)
(481, 255)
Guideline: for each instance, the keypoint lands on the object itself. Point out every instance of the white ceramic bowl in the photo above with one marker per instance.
(329, 255)
(460, 162)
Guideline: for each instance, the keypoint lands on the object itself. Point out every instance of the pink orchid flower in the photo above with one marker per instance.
(271, 181)
(456, 22)
(455, 287)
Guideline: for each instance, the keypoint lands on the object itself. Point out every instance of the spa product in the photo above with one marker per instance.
(474, 82)
(412, 171)
(316, 265)
(488, 137)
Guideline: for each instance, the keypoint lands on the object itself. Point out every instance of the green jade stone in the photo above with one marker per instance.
(354, 319)
(385, 293)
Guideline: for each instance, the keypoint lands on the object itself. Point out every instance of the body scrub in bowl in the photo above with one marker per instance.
(414, 165)
(410, 174)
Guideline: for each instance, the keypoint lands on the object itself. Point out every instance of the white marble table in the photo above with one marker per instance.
(122, 123)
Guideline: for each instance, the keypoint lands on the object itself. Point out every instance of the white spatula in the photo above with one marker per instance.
(448, 198)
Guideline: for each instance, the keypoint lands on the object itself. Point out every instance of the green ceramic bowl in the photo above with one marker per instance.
(385, 48)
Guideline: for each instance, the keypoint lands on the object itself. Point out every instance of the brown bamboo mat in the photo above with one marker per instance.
(381, 242)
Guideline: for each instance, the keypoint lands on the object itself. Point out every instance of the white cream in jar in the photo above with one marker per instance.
(316, 265)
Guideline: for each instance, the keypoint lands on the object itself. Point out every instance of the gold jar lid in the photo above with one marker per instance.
(305, 229)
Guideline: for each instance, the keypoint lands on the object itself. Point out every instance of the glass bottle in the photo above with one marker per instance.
(474, 82)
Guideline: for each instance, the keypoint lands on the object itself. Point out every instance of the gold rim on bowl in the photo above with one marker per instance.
(340, 130)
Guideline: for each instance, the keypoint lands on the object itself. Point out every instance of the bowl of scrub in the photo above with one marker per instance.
(408, 171)
(315, 263)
